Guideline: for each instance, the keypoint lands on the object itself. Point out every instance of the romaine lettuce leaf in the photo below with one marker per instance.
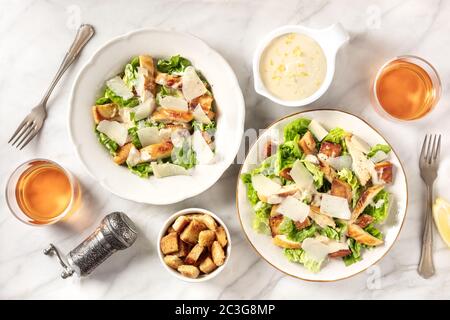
(210, 128)
(300, 256)
(184, 155)
(379, 147)
(374, 231)
(175, 64)
(143, 170)
(130, 103)
(379, 209)
(355, 256)
(261, 218)
(316, 173)
(295, 128)
(252, 195)
(287, 153)
(109, 144)
(287, 227)
(134, 137)
(331, 233)
(348, 176)
(267, 167)
(130, 75)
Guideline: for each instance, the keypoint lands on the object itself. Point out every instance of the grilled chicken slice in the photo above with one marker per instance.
(146, 62)
(109, 111)
(158, 150)
(122, 154)
(282, 241)
(362, 236)
(302, 225)
(384, 171)
(330, 149)
(166, 116)
(321, 219)
(274, 224)
(168, 80)
(365, 199)
(341, 189)
(285, 173)
(328, 172)
(360, 164)
(307, 143)
(205, 101)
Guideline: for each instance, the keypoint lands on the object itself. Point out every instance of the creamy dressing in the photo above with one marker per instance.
(293, 66)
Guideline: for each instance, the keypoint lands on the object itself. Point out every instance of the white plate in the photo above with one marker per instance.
(334, 269)
(108, 61)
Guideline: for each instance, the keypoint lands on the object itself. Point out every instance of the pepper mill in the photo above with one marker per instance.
(115, 232)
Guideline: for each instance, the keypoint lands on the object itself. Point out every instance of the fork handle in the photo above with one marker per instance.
(84, 34)
(426, 266)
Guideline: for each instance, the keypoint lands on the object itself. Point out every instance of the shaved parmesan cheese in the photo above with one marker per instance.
(118, 86)
(193, 86)
(116, 131)
(161, 170)
(341, 162)
(301, 176)
(200, 115)
(134, 157)
(379, 156)
(317, 130)
(165, 133)
(293, 209)
(360, 144)
(312, 158)
(315, 249)
(203, 152)
(148, 136)
(336, 207)
(142, 73)
(264, 185)
(143, 110)
(173, 103)
(179, 136)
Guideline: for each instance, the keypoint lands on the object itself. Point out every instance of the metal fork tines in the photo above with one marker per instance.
(28, 128)
(428, 164)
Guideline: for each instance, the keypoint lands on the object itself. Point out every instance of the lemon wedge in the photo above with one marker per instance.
(441, 214)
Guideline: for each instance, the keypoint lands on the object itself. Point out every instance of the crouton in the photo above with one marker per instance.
(307, 143)
(183, 248)
(384, 171)
(207, 220)
(330, 149)
(189, 271)
(207, 265)
(194, 254)
(173, 261)
(169, 243)
(206, 238)
(303, 224)
(221, 236)
(190, 233)
(274, 224)
(180, 223)
(341, 189)
(122, 154)
(282, 241)
(218, 255)
(170, 230)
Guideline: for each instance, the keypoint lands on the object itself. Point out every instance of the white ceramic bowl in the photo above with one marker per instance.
(335, 269)
(166, 226)
(106, 63)
(330, 40)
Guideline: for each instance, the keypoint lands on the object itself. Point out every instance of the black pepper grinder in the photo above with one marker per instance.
(115, 232)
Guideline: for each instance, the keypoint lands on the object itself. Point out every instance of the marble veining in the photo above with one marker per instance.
(34, 36)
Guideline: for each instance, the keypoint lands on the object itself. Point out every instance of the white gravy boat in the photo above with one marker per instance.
(329, 39)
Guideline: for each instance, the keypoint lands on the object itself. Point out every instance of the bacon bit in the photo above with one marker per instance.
(285, 173)
(340, 253)
(384, 171)
(364, 220)
(302, 225)
(331, 149)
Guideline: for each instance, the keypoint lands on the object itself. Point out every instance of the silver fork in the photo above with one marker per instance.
(33, 122)
(428, 164)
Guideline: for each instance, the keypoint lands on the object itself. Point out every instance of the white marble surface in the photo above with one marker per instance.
(35, 34)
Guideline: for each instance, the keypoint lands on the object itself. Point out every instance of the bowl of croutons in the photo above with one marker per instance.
(194, 245)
